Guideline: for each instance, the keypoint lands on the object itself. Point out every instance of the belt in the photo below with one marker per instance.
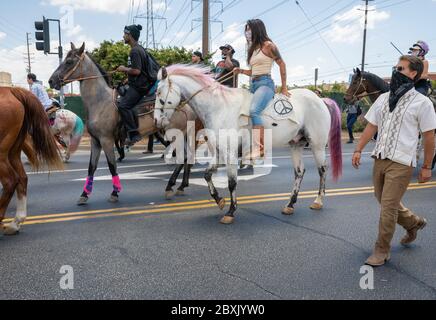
(255, 78)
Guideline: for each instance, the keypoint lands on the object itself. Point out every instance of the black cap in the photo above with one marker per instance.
(134, 31)
(227, 46)
(198, 54)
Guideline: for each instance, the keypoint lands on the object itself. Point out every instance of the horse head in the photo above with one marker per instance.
(168, 98)
(356, 88)
(69, 69)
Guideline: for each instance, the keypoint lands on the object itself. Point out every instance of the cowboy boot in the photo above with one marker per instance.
(412, 232)
(257, 148)
(378, 258)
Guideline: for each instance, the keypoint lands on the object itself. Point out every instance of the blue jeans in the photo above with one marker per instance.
(351, 120)
(263, 89)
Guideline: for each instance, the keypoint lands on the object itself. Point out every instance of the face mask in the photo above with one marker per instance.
(399, 86)
(248, 35)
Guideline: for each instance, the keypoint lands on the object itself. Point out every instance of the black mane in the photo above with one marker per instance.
(378, 82)
(100, 68)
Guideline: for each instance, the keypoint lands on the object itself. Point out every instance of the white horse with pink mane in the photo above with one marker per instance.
(300, 119)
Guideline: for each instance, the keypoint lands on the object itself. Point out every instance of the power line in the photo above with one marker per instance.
(320, 35)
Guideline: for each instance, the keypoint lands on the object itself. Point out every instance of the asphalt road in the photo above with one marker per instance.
(146, 247)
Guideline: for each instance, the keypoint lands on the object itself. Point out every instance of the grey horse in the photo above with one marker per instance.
(103, 119)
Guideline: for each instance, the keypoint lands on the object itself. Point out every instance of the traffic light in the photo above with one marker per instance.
(42, 35)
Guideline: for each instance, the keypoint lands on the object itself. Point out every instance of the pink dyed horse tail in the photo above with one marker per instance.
(335, 142)
(77, 135)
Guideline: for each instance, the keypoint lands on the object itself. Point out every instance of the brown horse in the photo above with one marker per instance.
(365, 84)
(21, 114)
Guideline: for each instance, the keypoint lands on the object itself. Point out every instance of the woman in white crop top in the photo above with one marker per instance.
(262, 52)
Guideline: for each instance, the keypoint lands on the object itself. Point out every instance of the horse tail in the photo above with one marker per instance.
(36, 125)
(335, 141)
(77, 135)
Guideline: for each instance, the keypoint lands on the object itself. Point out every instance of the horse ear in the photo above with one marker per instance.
(163, 73)
(358, 71)
(82, 49)
(73, 47)
(354, 70)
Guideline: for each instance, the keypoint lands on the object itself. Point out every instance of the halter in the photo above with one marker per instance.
(363, 95)
(183, 103)
(65, 79)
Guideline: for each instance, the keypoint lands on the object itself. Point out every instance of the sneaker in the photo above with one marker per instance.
(350, 141)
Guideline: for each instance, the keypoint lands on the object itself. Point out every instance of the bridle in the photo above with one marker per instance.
(65, 80)
(362, 95)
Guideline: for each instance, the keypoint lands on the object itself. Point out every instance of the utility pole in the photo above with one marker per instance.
(316, 78)
(364, 34)
(206, 35)
(29, 65)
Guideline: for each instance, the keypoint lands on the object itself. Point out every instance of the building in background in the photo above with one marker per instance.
(5, 79)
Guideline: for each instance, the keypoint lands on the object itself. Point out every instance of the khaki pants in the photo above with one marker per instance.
(391, 180)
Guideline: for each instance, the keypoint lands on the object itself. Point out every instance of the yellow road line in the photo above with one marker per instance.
(210, 202)
(199, 205)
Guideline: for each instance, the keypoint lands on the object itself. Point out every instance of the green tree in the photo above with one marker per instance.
(111, 55)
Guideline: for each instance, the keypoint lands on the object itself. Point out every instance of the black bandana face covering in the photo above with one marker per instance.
(400, 85)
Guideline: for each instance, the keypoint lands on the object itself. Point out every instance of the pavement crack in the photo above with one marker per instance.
(248, 281)
(390, 265)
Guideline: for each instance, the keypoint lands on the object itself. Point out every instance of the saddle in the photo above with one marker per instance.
(144, 106)
(280, 108)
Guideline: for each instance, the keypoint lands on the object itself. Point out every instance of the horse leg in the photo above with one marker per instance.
(221, 202)
(297, 161)
(186, 172)
(169, 192)
(14, 227)
(108, 148)
(9, 180)
(93, 162)
(321, 163)
(185, 183)
(232, 175)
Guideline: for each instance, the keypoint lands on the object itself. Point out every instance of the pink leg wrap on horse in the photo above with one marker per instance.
(88, 185)
(117, 184)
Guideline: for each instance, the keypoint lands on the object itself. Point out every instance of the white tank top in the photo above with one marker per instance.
(260, 63)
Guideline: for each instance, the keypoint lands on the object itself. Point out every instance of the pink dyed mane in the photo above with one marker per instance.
(201, 75)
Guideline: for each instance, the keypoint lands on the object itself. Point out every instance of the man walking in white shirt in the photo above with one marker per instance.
(398, 116)
(39, 91)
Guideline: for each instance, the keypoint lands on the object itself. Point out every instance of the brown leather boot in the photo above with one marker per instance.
(412, 233)
(378, 258)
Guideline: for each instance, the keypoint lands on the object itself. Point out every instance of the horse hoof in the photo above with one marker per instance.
(288, 211)
(82, 201)
(180, 193)
(316, 206)
(113, 199)
(169, 195)
(10, 229)
(222, 204)
(227, 220)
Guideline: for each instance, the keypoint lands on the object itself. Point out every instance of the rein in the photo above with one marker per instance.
(65, 79)
(363, 95)
(183, 103)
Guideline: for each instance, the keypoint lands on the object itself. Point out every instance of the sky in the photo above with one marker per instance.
(323, 34)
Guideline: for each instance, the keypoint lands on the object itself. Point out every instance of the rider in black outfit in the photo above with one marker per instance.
(139, 84)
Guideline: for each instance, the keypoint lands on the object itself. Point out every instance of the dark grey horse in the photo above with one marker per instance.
(103, 118)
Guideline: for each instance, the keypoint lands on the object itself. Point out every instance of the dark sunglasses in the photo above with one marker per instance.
(399, 68)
